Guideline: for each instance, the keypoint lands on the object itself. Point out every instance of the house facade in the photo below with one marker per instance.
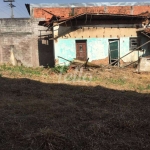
(102, 43)
(102, 32)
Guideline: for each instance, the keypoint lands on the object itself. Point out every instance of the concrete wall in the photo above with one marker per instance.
(144, 64)
(23, 34)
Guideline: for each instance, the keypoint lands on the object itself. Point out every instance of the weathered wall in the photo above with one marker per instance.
(105, 31)
(23, 34)
(97, 50)
(144, 64)
(97, 42)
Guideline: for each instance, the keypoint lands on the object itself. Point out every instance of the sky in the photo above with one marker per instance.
(21, 12)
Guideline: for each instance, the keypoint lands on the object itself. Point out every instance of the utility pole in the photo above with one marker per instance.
(11, 6)
(12, 10)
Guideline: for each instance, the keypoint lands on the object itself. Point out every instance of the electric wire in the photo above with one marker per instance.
(18, 14)
(24, 11)
(4, 10)
(19, 9)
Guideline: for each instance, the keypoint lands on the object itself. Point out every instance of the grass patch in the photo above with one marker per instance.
(21, 70)
(88, 79)
(141, 87)
(60, 69)
(117, 81)
(148, 87)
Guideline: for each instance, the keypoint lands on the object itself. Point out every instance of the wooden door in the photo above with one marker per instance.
(81, 50)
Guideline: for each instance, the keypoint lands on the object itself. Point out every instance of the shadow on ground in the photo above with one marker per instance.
(42, 116)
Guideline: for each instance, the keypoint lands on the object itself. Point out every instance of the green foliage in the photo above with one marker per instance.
(21, 69)
(141, 88)
(148, 87)
(117, 81)
(60, 69)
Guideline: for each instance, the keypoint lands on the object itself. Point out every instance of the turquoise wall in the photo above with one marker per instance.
(65, 48)
(124, 46)
(97, 48)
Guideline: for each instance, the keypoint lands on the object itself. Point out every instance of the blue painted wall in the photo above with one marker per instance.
(65, 48)
(124, 46)
(97, 48)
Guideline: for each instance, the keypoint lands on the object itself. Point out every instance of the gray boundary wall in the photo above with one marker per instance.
(21, 34)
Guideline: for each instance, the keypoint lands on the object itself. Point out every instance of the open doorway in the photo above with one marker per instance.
(46, 52)
(114, 52)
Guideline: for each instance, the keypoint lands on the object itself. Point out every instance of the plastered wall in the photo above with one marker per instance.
(97, 42)
(105, 31)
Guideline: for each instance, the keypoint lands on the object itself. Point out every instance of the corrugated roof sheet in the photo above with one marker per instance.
(91, 4)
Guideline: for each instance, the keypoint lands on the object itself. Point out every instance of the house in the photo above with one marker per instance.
(102, 32)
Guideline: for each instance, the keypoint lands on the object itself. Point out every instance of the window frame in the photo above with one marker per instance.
(132, 47)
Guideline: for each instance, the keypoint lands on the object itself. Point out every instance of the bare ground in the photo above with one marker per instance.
(98, 110)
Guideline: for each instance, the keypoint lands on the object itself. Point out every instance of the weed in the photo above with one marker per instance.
(140, 87)
(68, 78)
(60, 69)
(4, 67)
(20, 69)
(96, 79)
(148, 87)
(116, 81)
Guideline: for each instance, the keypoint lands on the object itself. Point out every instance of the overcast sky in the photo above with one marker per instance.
(21, 12)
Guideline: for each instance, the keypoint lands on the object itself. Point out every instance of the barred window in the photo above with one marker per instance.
(133, 43)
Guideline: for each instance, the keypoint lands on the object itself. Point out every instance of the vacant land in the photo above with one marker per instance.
(87, 110)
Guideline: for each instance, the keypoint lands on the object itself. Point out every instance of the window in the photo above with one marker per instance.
(133, 43)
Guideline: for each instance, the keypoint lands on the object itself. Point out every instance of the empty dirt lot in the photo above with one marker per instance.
(89, 110)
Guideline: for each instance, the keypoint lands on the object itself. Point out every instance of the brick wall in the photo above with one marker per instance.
(66, 12)
(22, 34)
